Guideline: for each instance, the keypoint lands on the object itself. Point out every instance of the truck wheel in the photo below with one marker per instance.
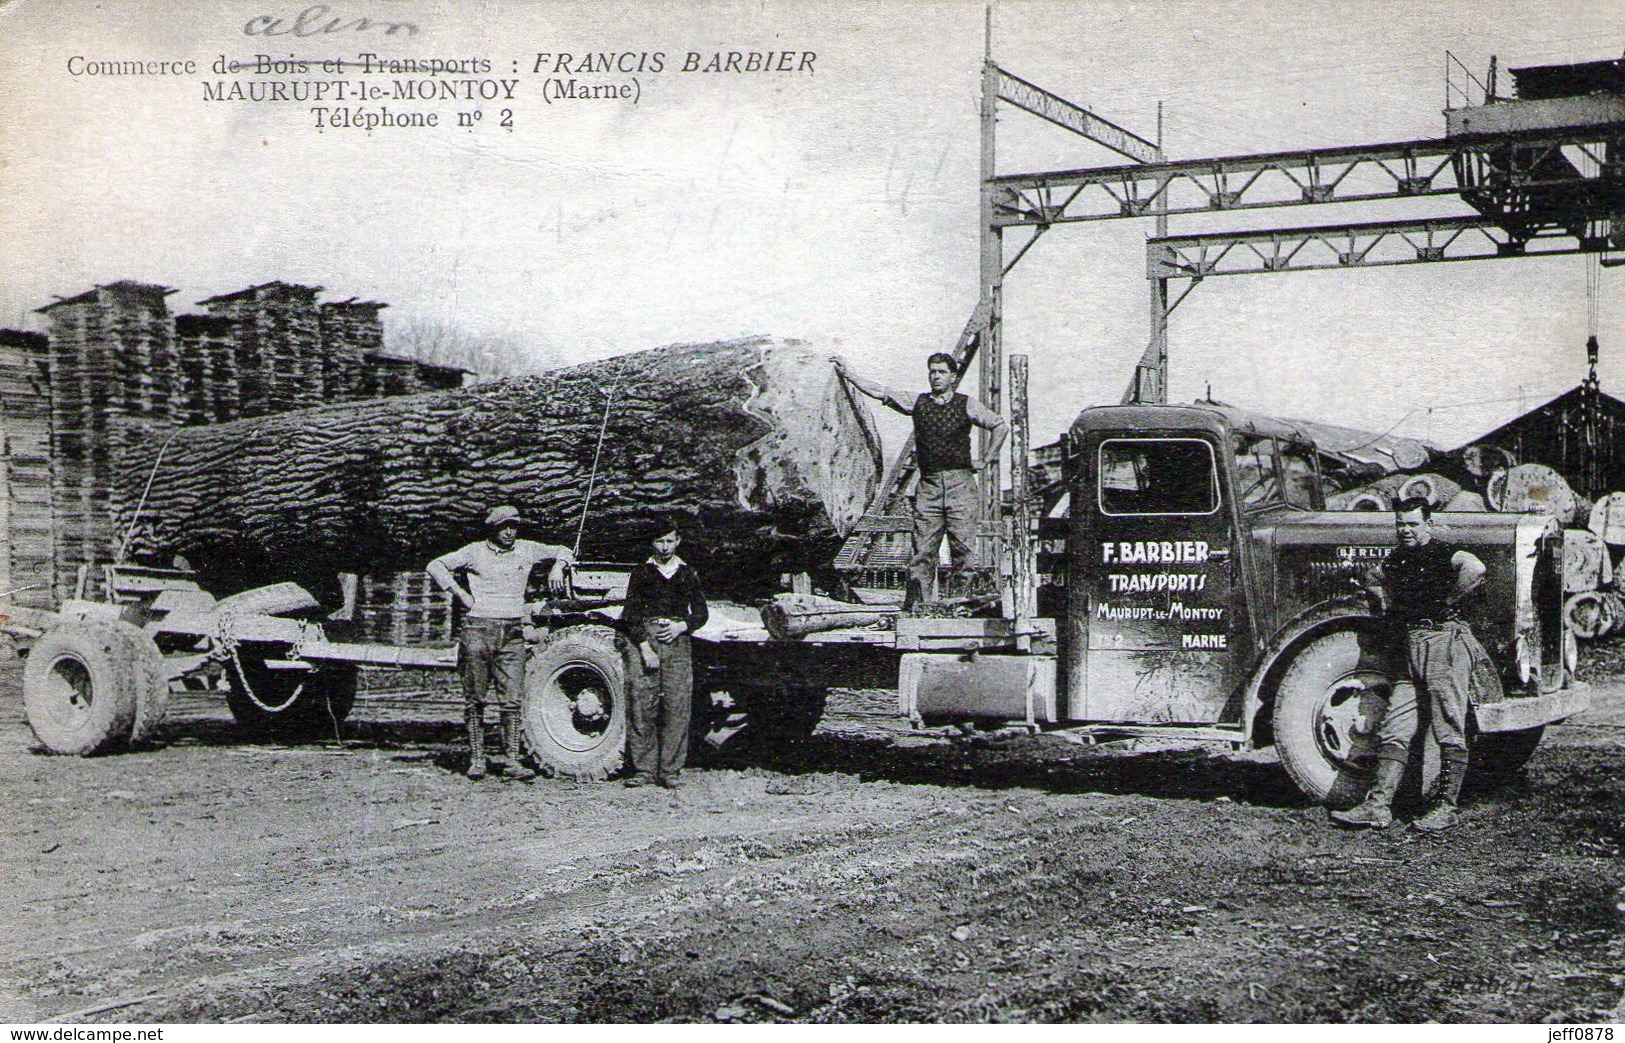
(1327, 708)
(82, 687)
(1497, 756)
(576, 702)
(288, 705)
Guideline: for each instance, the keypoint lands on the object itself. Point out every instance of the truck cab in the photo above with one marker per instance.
(1208, 589)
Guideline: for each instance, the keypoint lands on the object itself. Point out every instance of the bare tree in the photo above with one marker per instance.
(443, 344)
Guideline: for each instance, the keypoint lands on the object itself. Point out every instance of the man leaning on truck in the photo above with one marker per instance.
(1421, 585)
(945, 500)
(491, 646)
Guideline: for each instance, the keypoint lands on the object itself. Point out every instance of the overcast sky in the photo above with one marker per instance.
(838, 207)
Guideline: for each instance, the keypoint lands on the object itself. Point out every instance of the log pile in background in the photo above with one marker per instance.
(1484, 477)
(1594, 570)
(752, 438)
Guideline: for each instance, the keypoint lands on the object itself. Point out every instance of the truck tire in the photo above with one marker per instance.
(576, 702)
(1327, 707)
(288, 705)
(82, 685)
(1498, 756)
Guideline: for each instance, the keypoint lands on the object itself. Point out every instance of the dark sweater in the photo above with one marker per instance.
(649, 595)
(1421, 582)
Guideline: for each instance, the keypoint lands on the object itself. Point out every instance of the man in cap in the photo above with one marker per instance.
(945, 501)
(491, 648)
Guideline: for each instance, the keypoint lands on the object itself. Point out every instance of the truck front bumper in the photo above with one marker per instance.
(1516, 714)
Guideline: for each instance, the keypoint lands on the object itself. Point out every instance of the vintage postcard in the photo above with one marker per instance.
(821, 512)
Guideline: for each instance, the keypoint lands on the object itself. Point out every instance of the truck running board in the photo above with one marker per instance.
(1089, 734)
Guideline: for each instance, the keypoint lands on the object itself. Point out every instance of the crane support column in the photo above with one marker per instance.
(991, 349)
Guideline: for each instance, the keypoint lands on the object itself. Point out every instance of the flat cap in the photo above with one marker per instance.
(504, 515)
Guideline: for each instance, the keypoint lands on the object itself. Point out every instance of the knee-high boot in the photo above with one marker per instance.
(513, 747)
(1442, 814)
(474, 720)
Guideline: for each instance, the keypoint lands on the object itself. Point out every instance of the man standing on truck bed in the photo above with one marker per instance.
(1422, 584)
(491, 646)
(945, 500)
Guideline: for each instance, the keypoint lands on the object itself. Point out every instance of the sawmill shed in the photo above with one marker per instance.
(1580, 434)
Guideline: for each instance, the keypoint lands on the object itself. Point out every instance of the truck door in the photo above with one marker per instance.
(1152, 568)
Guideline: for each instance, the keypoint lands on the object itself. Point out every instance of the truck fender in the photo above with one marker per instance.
(1259, 692)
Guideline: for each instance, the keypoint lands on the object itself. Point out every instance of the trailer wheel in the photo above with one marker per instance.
(288, 705)
(152, 685)
(576, 702)
(83, 685)
(1497, 756)
(1327, 708)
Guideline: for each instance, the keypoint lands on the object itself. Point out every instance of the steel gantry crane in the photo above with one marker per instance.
(1541, 174)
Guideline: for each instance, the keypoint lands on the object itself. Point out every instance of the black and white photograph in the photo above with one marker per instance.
(812, 512)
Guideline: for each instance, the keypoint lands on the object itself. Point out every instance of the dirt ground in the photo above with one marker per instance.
(863, 875)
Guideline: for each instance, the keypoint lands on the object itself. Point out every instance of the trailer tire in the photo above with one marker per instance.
(577, 697)
(1327, 706)
(82, 685)
(313, 703)
(1498, 756)
(152, 681)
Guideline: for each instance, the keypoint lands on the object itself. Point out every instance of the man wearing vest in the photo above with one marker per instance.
(945, 500)
(1421, 585)
(491, 646)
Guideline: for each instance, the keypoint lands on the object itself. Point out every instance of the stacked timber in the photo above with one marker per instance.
(279, 345)
(752, 440)
(112, 372)
(384, 376)
(210, 389)
(350, 330)
(27, 542)
(404, 607)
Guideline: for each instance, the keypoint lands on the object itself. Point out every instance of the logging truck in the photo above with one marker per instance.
(1186, 582)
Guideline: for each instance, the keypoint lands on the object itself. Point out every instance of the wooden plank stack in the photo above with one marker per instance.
(404, 608)
(27, 541)
(113, 377)
(351, 330)
(211, 390)
(278, 334)
(118, 368)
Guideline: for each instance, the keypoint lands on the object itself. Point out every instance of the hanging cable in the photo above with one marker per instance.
(592, 476)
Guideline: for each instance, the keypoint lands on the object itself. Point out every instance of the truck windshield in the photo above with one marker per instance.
(1158, 476)
(1262, 485)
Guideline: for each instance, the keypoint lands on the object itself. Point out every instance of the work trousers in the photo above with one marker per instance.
(662, 700)
(1444, 663)
(944, 503)
(492, 650)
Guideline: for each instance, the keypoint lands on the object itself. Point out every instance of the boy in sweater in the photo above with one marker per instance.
(664, 605)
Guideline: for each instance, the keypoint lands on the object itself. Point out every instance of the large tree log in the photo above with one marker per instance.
(754, 440)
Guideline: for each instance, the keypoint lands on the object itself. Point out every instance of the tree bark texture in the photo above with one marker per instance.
(755, 442)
